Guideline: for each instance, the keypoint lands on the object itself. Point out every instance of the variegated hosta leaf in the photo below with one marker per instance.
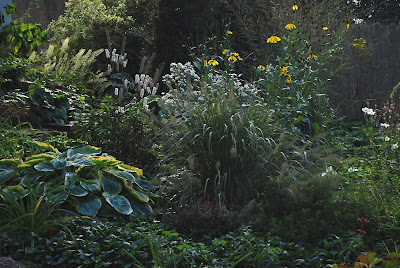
(45, 146)
(42, 156)
(124, 175)
(6, 163)
(138, 171)
(137, 194)
(5, 175)
(110, 186)
(30, 178)
(140, 209)
(105, 160)
(59, 163)
(15, 191)
(77, 190)
(119, 202)
(44, 166)
(89, 206)
(90, 185)
(86, 150)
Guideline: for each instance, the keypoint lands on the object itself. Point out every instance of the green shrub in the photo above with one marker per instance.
(93, 182)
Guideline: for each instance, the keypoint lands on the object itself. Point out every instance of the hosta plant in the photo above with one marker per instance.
(94, 183)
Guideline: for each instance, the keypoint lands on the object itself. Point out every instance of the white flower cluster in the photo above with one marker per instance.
(368, 111)
(145, 85)
(190, 93)
(116, 59)
(328, 170)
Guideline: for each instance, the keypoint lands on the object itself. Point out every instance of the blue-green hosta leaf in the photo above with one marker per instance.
(69, 178)
(30, 178)
(59, 163)
(89, 206)
(140, 209)
(5, 175)
(15, 192)
(86, 150)
(7, 163)
(90, 185)
(110, 186)
(137, 194)
(56, 197)
(119, 202)
(81, 159)
(44, 166)
(121, 174)
(145, 185)
(77, 190)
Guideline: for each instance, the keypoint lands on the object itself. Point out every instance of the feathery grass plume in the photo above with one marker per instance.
(73, 67)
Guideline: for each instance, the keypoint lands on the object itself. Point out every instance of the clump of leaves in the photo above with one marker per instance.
(93, 183)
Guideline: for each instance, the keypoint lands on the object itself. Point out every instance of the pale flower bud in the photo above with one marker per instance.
(116, 91)
(114, 51)
(107, 53)
(142, 76)
(137, 79)
(109, 68)
(154, 91)
(148, 90)
(125, 63)
(141, 92)
(126, 83)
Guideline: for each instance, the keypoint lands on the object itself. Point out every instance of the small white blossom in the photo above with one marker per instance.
(126, 82)
(387, 138)
(107, 53)
(109, 68)
(141, 92)
(395, 146)
(368, 111)
(116, 91)
(385, 125)
(125, 63)
(351, 169)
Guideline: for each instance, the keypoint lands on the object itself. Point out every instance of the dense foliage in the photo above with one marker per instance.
(247, 163)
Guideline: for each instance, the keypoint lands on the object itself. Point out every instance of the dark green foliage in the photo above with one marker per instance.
(124, 135)
(204, 218)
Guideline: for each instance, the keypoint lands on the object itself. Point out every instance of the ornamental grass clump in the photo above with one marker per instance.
(217, 127)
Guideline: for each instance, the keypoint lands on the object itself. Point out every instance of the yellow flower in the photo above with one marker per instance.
(290, 26)
(261, 68)
(239, 58)
(232, 58)
(348, 26)
(212, 62)
(325, 28)
(295, 7)
(288, 80)
(229, 32)
(226, 51)
(284, 71)
(235, 54)
(312, 56)
(273, 39)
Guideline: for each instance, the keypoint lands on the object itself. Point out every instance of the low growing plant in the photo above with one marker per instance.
(93, 182)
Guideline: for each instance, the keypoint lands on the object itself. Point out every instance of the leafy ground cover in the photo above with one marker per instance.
(228, 160)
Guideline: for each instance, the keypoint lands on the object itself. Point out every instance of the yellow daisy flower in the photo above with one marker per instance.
(232, 58)
(290, 26)
(288, 80)
(273, 39)
(261, 67)
(295, 7)
(284, 71)
(312, 56)
(325, 28)
(229, 32)
(212, 62)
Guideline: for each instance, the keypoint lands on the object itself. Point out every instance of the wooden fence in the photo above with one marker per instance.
(371, 72)
(47, 11)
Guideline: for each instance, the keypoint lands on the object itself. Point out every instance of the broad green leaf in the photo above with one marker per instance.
(131, 168)
(45, 167)
(89, 206)
(140, 209)
(30, 178)
(90, 185)
(110, 186)
(121, 174)
(59, 163)
(28, 164)
(119, 202)
(14, 192)
(45, 146)
(86, 150)
(40, 156)
(10, 162)
(5, 175)
(77, 190)
(145, 185)
(105, 160)
(138, 195)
